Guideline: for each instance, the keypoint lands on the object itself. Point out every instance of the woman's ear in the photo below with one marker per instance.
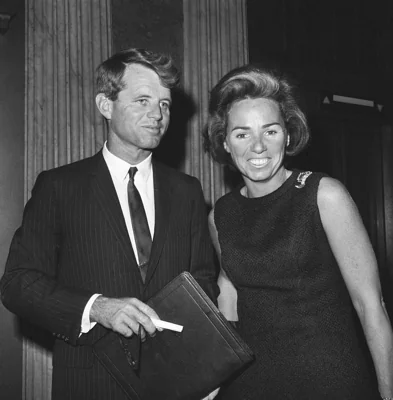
(226, 147)
(104, 105)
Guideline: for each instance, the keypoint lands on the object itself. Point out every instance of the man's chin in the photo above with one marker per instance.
(153, 144)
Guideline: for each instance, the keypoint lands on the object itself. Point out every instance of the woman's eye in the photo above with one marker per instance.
(142, 101)
(165, 106)
(271, 132)
(241, 135)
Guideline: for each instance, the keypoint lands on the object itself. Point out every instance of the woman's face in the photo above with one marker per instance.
(256, 139)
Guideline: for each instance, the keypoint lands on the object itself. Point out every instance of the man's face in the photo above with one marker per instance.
(139, 117)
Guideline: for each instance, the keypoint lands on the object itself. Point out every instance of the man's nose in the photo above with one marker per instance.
(155, 112)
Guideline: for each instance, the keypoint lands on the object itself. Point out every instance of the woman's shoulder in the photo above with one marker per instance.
(332, 192)
(223, 207)
(226, 199)
(305, 188)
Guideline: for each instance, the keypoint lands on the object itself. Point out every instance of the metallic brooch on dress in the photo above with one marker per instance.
(301, 179)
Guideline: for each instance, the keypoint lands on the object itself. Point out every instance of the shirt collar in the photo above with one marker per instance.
(119, 168)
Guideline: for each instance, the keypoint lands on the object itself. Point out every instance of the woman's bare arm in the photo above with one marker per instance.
(353, 251)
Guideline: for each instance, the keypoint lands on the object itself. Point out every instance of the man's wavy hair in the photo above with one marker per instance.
(110, 73)
(251, 82)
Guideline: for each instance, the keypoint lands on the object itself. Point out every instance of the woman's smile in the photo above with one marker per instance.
(259, 162)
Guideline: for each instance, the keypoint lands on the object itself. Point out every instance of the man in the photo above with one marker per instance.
(81, 265)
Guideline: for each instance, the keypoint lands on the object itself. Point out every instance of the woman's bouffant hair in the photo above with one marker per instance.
(110, 73)
(251, 82)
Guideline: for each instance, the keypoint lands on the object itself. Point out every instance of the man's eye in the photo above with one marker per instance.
(165, 106)
(142, 101)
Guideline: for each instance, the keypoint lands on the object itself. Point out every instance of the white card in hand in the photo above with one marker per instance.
(159, 323)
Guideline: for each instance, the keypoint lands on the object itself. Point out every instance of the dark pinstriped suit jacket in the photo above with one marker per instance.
(73, 243)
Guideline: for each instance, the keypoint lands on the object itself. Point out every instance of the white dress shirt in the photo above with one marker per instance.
(143, 180)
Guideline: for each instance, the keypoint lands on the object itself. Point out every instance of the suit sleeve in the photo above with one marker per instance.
(203, 265)
(29, 286)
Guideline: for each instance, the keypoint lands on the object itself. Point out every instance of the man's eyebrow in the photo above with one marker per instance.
(168, 99)
(149, 96)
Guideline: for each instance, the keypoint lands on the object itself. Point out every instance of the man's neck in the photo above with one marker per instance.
(131, 156)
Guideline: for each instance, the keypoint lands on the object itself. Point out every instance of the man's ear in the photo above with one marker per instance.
(104, 105)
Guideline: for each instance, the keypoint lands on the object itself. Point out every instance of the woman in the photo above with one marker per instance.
(295, 254)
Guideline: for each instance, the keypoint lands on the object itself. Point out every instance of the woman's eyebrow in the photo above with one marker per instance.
(247, 127)
(270, 124)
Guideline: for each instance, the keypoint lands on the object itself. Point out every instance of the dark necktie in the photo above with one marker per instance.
(139, 224)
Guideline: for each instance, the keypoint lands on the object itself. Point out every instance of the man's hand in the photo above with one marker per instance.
(212, 395)
(124, 316)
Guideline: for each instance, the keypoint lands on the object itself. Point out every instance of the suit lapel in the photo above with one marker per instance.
(105, 193)
(162, 201)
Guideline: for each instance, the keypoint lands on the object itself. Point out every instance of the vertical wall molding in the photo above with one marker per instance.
(65, 41)
(387, 223)
(215, 41)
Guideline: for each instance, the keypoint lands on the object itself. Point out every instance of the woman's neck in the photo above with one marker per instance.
(263, 188)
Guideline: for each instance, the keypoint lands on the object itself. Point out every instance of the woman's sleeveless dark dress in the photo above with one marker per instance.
(294, 308)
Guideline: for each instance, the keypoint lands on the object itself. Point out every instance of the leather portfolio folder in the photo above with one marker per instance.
(172, 365)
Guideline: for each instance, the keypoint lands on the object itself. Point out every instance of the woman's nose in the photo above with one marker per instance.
(258, 145)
